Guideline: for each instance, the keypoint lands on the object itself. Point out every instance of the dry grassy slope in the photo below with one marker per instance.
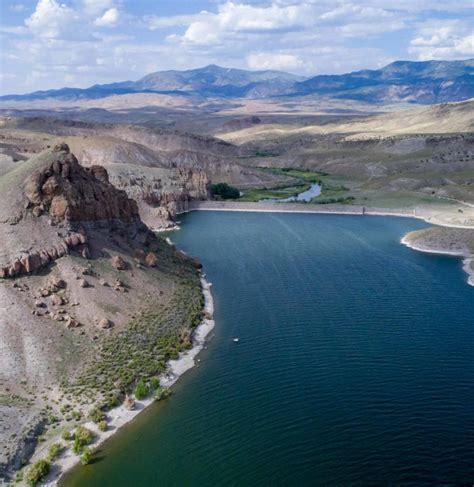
(435, 119)
(457, 241)
(110, 151)
(413, 168)
(36, 350)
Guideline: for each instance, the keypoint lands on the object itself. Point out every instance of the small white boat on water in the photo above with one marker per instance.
(236, 339)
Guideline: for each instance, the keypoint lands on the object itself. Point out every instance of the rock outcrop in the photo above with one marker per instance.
(161, 198)
(63, 194)
(35, 260)
(151, 259)
(66, 191)
(60, 315)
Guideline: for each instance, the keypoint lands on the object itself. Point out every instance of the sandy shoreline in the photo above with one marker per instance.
(120, 416)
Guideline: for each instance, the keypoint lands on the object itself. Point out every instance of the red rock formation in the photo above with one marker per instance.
(35, 260)
(69, 192)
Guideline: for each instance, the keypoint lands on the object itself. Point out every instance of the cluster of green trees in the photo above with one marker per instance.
(41, 468)
(82, 438)
(143, 389)
(223, 191)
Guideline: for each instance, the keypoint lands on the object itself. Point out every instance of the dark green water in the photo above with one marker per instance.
(355, 364)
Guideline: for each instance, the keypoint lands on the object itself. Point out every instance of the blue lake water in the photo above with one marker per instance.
(355, 364)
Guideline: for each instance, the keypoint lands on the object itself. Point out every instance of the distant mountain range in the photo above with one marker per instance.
(416, 82)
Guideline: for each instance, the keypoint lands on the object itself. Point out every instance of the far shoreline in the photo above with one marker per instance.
(428, 215)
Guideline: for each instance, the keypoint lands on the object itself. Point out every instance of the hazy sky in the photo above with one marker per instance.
(52, 43)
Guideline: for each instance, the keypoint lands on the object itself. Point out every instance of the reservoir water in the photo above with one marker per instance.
(354, 364)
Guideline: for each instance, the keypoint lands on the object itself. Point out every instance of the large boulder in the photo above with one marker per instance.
(105, 323)
(151, 259)
(118, 263)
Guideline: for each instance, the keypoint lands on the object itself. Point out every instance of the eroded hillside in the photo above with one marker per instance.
(162, 169)
(82, 275)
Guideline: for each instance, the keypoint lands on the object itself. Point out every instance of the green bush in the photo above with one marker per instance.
(82, 438)
(86, 456)
(37, 472)
(66, 435)
(113, 401)
(54, 451)
(77, 415)
(102, 425)
(77, 447)
(141, 390)
(154, 383)
(161, 393)
(97, 415)
(84, 435)
(224, 191)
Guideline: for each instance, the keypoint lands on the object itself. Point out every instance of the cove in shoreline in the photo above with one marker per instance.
(176, 368)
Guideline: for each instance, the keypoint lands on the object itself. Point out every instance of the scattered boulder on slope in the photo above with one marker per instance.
(118, 263)
(151, 259)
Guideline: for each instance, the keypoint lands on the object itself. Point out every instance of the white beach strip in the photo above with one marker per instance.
(405, 241)
(186, 359)
(118, 417)
(428, 215)
(169, 229)
(467, 268)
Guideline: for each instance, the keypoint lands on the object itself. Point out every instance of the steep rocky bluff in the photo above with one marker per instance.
(160, 193)
(84, 286)
(66, 193)
(69, 192)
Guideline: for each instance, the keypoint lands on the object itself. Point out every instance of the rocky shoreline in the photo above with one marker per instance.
(80, 273)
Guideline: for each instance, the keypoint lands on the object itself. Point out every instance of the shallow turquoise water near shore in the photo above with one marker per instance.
(354, 366)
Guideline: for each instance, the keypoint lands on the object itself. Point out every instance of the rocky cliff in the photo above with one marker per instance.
(69, 192)
(84, 286)
(70, 196)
